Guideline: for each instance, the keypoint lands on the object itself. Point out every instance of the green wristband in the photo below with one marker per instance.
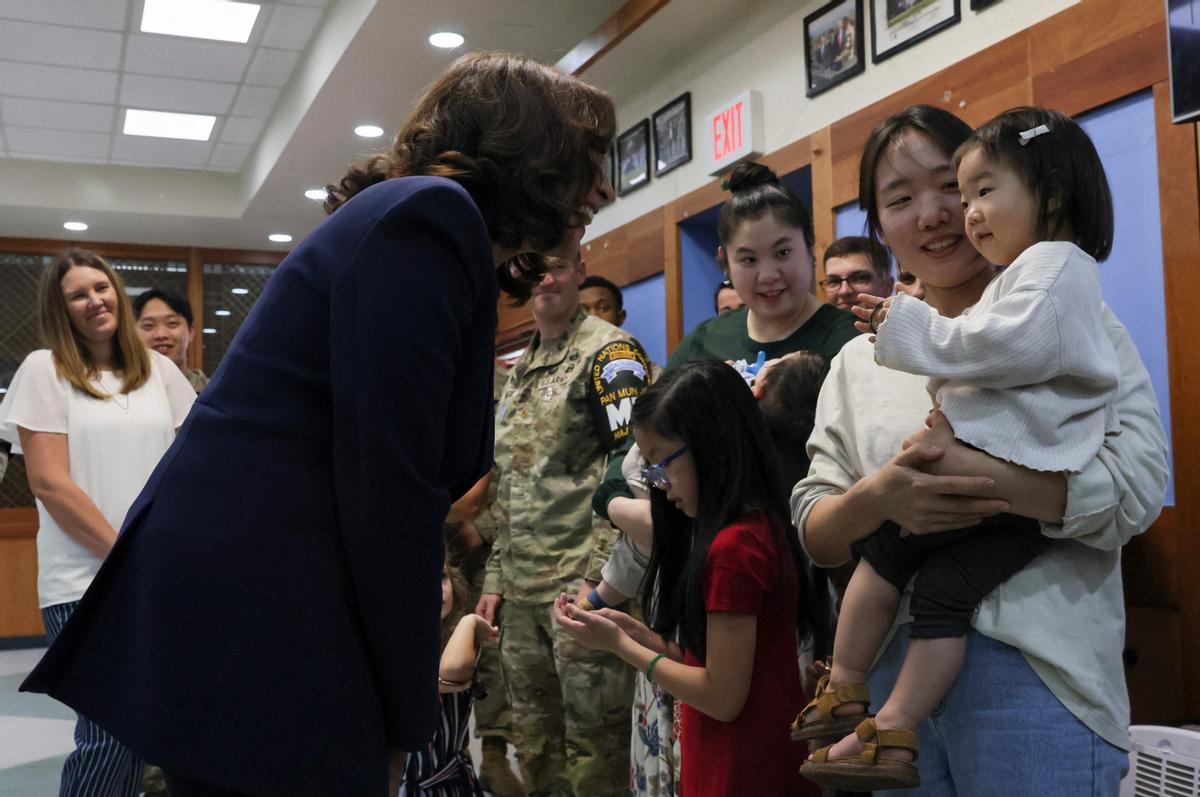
(650, 667)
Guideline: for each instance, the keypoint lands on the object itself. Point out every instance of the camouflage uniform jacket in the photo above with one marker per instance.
(564, 407)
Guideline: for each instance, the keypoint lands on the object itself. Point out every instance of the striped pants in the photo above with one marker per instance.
(100, 766)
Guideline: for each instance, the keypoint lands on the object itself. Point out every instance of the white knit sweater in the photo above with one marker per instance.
(1027, 374)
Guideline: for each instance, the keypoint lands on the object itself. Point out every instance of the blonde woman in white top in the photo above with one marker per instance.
(1039, 705)
(92, 414)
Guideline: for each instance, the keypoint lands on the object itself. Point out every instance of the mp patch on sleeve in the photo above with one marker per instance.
(620, 373)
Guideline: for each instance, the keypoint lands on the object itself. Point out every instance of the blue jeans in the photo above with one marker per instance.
(100, 766)
(999, 731)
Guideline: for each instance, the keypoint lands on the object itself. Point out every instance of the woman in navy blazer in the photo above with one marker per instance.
(268, 621)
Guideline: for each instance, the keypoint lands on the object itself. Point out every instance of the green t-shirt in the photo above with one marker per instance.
(724, 337)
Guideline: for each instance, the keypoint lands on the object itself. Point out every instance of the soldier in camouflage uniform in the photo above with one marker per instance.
(565, 406)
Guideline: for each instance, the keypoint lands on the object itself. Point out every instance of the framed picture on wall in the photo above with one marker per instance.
(633, 158)
(1183, 45)
(610, 164)
(673, 134)
(899, 24)
(833, 46)
(978, 4)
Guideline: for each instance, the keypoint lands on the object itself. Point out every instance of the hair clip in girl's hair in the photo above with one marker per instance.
(1032, 133)
(724, 185)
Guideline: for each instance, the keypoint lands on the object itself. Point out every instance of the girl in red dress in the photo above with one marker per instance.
(726, 578)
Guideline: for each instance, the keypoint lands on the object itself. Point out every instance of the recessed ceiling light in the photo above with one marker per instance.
(369, 131)
(210, 330)
(160, 124)
(201, 19)
(223, 312)
(279, 237)
(446, 40)
(316, 194)
(239, 291)
(75, 226)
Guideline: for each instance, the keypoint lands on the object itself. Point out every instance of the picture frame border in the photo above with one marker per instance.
(859, 46)
(642, 126)
(877, 57)
(686, 99)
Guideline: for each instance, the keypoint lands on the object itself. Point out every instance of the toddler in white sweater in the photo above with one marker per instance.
(1028, 375)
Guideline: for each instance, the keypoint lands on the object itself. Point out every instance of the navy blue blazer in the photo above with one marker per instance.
(268, 620)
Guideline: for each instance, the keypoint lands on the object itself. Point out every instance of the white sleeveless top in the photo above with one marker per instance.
(113, 446)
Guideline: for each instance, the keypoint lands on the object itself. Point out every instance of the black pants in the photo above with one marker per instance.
(955, 569)
(178, 786)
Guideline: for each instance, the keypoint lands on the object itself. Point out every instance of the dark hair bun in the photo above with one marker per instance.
(748, 175)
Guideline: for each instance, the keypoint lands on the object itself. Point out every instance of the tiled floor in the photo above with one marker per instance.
(35, 732)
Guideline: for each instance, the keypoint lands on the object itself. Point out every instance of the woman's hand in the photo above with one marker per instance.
(1040, 495)
(922, 502)
(590, 629)
(640, 633)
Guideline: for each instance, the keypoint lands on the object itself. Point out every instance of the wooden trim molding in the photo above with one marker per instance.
(615, 29)
(18, 524)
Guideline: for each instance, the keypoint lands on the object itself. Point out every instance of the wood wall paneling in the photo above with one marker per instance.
(19, 615)
(672, 276)
(625, 21)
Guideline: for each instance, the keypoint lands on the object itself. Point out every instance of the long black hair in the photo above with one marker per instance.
(707, 406)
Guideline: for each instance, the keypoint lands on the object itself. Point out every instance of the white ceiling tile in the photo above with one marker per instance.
(291, 27)
(160, 151)
(241, 130)
(229, 156)
(171, 56)
(57, 82)
(65, 145)
(79, 116)
(311, 3)
(271, 67)
(55, 44)
(255, 101)
(103, 14)
(174, 94)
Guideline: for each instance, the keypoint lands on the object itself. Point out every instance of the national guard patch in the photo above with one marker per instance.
(620, 373)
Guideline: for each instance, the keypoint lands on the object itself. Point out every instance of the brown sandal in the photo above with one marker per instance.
(868, 771)
(825, 700)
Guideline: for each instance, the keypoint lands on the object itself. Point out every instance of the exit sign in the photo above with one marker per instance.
(734, 132)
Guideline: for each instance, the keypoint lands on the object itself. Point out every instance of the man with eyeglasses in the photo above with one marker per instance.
(855, 265)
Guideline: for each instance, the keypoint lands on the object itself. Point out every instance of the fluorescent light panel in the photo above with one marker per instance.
(201, 19)
(160, 124)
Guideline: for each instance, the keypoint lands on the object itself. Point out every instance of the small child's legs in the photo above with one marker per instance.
(929, 669)
(955, 570)
(868, 611)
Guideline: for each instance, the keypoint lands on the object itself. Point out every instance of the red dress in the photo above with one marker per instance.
(753, 754)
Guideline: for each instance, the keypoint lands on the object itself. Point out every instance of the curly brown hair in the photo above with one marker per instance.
(526, 141)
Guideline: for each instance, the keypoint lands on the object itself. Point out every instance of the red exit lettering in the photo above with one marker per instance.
(727, 131)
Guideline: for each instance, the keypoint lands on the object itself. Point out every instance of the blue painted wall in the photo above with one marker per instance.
(645, 318)
(1132, 277)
